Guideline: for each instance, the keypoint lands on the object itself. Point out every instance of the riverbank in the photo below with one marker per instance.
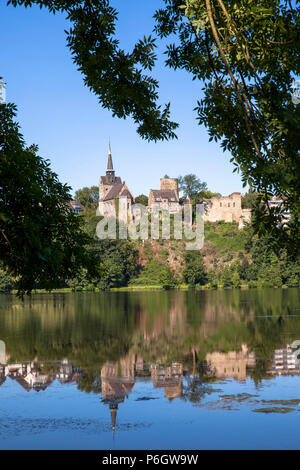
(134, 288)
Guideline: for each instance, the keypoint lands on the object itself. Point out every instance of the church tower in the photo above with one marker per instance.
(110, 172)
(109, 180)
(111, 188)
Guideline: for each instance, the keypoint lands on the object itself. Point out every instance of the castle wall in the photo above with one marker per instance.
(169, 183)
(226, 208)
(232, 364)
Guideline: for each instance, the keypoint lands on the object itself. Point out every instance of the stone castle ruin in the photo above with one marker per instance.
(227, 209)
(222, 208)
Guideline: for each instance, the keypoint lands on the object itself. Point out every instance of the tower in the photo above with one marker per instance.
(167, 184)
(110, 172)
(109, 180)
(111, 189)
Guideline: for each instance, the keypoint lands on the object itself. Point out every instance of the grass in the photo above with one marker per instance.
(135, 288)
(225, 236)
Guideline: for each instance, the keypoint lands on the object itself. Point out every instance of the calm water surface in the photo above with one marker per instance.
(152, 370)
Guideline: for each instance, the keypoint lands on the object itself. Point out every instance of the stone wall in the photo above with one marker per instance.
(226, 208)
(103, 190)
(232, 364)
(169, 183)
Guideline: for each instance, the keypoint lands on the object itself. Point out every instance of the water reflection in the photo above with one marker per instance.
(183, 344)
(116, 380)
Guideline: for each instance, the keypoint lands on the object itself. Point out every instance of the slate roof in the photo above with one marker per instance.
(75, 205)
(113, 192)
(109, 163)
(168, 194)
(126, 193)
(116, 191)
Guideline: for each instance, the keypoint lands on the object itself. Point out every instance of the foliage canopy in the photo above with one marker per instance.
(41, 240)
(246, 54)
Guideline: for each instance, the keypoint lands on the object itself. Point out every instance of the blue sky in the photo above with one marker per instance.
(58, 113)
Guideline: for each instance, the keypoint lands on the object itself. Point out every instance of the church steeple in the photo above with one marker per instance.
(113, 414)
(110, 172)
(110, 169)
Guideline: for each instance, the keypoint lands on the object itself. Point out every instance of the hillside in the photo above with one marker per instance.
(223, 245)
(230, 258)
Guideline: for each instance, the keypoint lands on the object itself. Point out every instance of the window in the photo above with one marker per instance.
(228, 204)
(233, 204)
(220, 204)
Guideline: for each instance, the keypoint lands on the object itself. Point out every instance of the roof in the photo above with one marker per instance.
(107, 180)
(75, 205)
(126, 192)
(113, 192)
(109, 162)
(118, 190)
(169, 194)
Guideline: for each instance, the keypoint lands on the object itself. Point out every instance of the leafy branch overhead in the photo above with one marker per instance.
(116, 77)
(245, 53)
(41, 240)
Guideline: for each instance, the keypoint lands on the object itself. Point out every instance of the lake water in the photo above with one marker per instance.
(150, 370)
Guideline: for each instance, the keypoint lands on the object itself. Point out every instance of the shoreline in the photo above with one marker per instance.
(149, 288)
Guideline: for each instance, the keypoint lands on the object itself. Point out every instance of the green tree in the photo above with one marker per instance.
(41, 241)
(141, 199)
(249, 200)
(190, 185)
(225, 277)
(194, 271)
(81, 281)
(5, 282)
(269, 274)
(236, 281)
(167, 278)
(246, 55)
(206, 194)
(90, 220)
(88, 197)
(117, 262)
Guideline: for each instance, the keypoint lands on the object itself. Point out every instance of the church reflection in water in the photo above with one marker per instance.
(178, 343)
(118, 378)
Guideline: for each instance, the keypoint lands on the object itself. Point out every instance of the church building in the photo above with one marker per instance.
(111, 189)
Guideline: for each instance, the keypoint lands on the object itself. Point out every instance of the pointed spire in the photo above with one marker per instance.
(113, 413)
(109, 161)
